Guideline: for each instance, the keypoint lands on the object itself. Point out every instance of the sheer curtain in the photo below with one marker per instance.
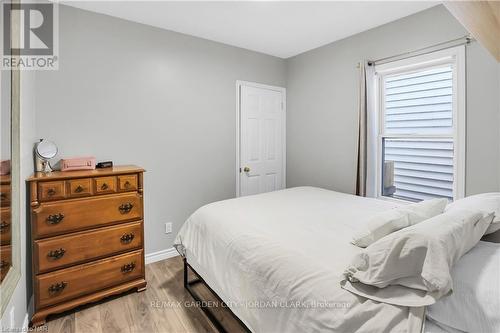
(366, 131)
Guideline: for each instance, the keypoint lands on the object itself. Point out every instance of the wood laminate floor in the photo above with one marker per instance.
(165, 306)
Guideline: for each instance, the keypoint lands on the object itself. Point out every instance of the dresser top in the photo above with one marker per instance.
(56, 175)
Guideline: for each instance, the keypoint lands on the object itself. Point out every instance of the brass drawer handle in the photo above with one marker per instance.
(127, 268)
(51, 192)
(3, 226)
(79, 189)
(4, 264)
(56, 254)
(127, 238)
(3, 196)
(125, 208)
(55, 219)
(104, 187)
(57, 287)
(127, 184)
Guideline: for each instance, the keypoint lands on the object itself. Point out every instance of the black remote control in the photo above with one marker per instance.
(107, 164)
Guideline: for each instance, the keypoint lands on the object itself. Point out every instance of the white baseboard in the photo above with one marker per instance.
(161, 255)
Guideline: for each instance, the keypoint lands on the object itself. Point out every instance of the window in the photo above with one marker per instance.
(421, 130)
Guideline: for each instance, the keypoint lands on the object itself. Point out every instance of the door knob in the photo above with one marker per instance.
(246, 169)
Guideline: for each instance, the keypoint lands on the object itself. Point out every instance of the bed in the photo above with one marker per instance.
(277, 260)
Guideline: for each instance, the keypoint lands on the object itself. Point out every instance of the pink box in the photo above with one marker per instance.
(78, 163)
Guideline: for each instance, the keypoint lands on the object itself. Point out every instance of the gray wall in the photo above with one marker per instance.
(322, 90)
(172, 109)
(483, 116)
(135, 94)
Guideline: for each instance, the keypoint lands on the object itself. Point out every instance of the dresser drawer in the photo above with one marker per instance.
(5, 196)
(51, 190)
(5, 260)
(104, 185)
(5, 226)
(79, 187)
(64, 284)
(127, 183)
(55, 252)
(77, 214)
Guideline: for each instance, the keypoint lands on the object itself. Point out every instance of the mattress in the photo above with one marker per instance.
(277, 259)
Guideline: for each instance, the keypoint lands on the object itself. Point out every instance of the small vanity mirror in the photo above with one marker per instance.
(44, 151)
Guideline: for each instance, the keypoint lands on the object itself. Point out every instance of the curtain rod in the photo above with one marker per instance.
(428, 49)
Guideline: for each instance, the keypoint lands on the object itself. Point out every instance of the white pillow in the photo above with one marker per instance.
(387, 222)
(411, 267)
(424, 210)
(487, 202)
(475, 302)
(494, 227)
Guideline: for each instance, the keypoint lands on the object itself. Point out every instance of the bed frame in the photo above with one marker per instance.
(188, 284)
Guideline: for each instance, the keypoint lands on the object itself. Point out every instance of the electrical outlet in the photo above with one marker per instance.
(168, 227)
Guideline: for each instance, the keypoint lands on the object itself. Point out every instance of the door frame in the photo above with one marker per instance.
(282, 90)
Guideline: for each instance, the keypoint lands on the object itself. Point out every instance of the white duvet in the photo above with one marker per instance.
(277, 260)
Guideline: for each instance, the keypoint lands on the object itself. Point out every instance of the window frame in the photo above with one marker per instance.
(455, 57)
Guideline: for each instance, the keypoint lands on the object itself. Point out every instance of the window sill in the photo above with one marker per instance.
(396, 200)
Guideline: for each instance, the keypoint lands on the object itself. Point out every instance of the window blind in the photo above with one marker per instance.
(418, 123)
(423, 169)
(420, 102)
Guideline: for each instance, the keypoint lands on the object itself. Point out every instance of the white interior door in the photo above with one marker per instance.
(261, 139)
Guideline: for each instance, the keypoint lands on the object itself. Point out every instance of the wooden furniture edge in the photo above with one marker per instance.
(61, 175)
(39, 317)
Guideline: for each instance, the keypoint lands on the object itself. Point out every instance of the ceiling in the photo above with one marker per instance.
(279, 28)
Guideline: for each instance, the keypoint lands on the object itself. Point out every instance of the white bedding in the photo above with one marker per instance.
(434, 327)
(412, 266)
(475, 302)
(285, 247)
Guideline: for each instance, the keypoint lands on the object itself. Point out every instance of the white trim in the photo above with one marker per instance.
(460, 133)
(11, 280)
(396, 200)
(30, 309)
(237, 165)
(26, 322)
(282, 90)
(456, 57)
(161, 255)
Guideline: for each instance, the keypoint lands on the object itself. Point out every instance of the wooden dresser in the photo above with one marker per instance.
(88, 237)
(5, 226)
